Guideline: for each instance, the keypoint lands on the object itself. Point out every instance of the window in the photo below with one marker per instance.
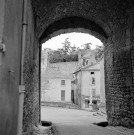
(93, 92)
(62, 95)
(62, 82)
(93, 80)
(87, 62)
(92, 73)
(84, 62)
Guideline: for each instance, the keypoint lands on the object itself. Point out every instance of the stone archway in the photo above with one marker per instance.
(73, 24)
(112, 20)
(80, 25)
(112, 72)
(115, 18)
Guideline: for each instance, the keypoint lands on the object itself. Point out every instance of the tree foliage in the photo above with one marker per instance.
(65, 54)
(99, 51)
(69, 53)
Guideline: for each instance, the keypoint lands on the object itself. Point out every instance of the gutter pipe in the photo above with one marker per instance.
(22, 86)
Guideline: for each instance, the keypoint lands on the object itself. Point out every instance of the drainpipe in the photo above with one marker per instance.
(40, 48)
(81, 99)
(22, 86)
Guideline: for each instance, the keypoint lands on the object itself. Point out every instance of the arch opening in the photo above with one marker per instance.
(49, 77)
(73, 24)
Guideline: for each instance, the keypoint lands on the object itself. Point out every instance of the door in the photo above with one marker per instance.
(72, 96)
(62, 95)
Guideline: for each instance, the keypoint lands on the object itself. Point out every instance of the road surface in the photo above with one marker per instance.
(75, 122)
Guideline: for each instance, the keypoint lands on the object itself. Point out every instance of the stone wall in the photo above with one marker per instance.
(51, 81)
(68, 105)
(109, 19)
(31, 76)
(131, 40)
(118, 73)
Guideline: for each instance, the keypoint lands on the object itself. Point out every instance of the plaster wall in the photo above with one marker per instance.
(53, 91)
(66, 68)
(2, 9)
(86, 82)
(102, 106)
(10, 33)
(102, 82)
(51, 81)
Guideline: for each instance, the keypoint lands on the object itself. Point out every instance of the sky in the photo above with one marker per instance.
(76, 39)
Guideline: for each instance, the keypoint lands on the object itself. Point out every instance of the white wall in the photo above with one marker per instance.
(85, 87)
(86, 78)
(53, 93)
(102, 80)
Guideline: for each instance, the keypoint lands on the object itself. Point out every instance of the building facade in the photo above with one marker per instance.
(56, 82)
(102, 106)
(87, 85)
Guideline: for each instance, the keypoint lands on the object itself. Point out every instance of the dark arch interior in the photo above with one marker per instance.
(73, 22)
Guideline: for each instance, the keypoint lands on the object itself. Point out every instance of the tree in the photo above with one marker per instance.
(99, 51)
(65, 54)
(55, 57)
(66, 47)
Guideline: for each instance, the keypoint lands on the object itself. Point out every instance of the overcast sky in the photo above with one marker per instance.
(76, 39)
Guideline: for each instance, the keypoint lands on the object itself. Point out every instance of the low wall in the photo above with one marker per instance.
(68, 105)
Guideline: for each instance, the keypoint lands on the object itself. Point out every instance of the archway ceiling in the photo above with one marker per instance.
(107, 15)
(73, 23)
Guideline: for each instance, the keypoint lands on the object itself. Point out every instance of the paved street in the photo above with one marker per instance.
(75, 122)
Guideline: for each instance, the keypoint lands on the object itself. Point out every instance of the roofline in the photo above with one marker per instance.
(91, 70)
(90, 65)
(81, 69)
(77, 71)
(63, 62)
(58, 77)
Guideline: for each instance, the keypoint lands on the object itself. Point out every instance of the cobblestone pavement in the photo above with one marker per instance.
(77, 122)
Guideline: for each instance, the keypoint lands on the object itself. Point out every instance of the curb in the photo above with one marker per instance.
(44, 130)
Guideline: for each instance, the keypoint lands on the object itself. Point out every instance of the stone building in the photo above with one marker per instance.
(86, 57)
(102, 105)
(56, 82)
(87, 81)
(26, 24)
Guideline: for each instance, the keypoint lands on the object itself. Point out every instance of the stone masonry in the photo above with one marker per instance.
(112, 23)
(31, 76)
